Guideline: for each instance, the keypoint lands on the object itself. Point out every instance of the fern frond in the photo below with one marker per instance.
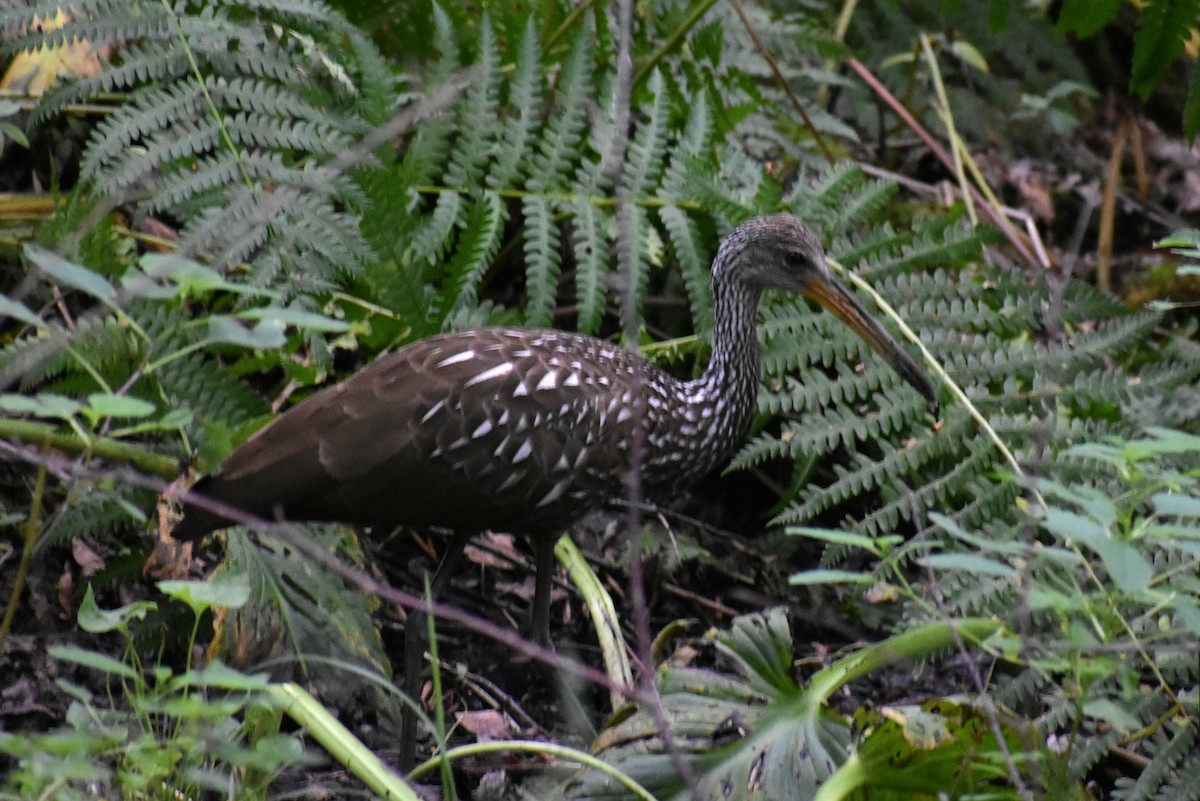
(682, 230)
(520, 125)
(478, 244)
(590, 246)
(1165, 758)
(478, 118)
(433, 239)
(558, 146)
(542, 260)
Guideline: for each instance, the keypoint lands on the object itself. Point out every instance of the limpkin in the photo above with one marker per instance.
(525, 430)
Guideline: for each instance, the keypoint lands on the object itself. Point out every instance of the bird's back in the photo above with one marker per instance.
(525, 429)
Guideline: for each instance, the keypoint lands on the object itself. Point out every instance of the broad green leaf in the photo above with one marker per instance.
(1170, 503)
(10, 131)
(1188, 611)
(969, 54)
(106, 404)
(43, 405)
(70, 274)
(1128, 568)
(940, 749)
(299, 318)
(267, 334)
(851, 538)
(17, 311)
(231, 591)
(218, 674)
(1185, 242)
(1113, 714)
(99, 621)
(728, 726)
(93, 660)
(969, 563)
(1086, 17)
(189, 278)
(1071, 526)
(828, 576)
(1041, 598)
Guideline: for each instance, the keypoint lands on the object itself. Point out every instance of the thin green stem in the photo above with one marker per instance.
(672, 42)
(936, 367)
(218, 118)
(534, 747)
(29, 532)
(102, 447)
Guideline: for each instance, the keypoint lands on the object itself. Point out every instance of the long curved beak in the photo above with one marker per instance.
(834, 297)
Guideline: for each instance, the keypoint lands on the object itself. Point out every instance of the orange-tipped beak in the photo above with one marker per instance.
(834, 297)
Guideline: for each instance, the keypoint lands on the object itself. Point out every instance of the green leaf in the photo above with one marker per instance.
(106, 404)
(1128, 568)
(969, 563)
(1191, 111)
(826, 576)
(969, 54)
(1162, 30)
(1086, 17)
(228, 591)
(70, 274)
(1170, 503)
(99, 621)
(299, 318)
(174, 276)
(1108, 711)
(10, 131)
(11, 308)
(216, 674)
(1188, 612)
(924, 751)
(850, 538)
(723, 724)
(93, 660)
(265, 335)
(44, 404)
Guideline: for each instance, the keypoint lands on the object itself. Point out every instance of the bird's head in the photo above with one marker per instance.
(780, 252)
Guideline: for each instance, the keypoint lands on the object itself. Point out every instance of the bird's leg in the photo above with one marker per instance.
(415, 635)
(543, 561)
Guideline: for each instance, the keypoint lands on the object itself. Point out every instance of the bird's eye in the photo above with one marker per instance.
(796, 259)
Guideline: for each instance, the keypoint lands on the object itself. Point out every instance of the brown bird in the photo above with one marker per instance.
(526, 430)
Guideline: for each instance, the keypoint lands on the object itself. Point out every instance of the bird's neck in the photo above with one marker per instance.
(725, 394)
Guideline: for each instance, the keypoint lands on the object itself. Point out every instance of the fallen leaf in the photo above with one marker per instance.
(91, 562)
(486, 724)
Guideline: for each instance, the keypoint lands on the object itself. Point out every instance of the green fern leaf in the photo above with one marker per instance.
(590, 246)
(478, 244)
(521, 124)
(542, 260)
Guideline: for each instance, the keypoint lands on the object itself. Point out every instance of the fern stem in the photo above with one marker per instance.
(936, 367)
(218, 118)
(672, 41)
(963, 160)
(936, 149)
(568, 23)
(946, 115)
(565, 197)
(105, 448)
(782, 80)
(542, 749)
(29, 533)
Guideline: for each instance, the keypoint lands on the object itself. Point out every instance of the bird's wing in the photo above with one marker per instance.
(504, 422)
